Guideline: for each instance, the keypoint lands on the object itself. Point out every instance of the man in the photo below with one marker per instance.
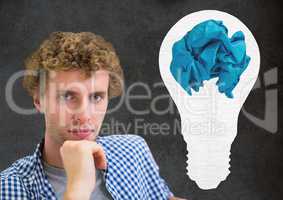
(71, 78)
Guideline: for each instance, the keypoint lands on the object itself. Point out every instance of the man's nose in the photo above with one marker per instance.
(84, 111)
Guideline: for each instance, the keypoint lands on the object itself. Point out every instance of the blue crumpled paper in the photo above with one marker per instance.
(207, 52)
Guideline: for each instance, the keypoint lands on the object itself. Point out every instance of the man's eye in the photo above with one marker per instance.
(67, 97)
(96, 98)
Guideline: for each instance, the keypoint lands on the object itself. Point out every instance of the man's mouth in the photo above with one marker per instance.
(81, 133)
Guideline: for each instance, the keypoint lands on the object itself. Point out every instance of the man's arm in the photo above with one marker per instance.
(80, 159)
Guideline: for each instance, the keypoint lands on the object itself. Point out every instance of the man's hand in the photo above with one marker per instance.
(80, 159)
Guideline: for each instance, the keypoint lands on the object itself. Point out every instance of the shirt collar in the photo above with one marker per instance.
(42, 184)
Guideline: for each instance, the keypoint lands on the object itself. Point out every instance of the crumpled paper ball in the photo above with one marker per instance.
(207, 52)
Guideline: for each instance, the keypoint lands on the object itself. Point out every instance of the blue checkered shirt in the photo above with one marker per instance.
(131, 173)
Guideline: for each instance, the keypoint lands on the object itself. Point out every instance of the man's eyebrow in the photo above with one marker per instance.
(66, 91)
(100, 92)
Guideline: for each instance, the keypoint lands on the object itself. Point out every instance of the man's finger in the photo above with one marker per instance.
(98, 155)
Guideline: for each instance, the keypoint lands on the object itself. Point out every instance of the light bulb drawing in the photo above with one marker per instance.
(209, 105)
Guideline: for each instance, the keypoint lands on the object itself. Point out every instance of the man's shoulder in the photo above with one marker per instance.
(19, 169)
(123, 141)
(13, 179)
(122, 137)
(126, 146)
(132, 166)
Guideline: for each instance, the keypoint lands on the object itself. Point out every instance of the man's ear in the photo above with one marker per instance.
(37, 102)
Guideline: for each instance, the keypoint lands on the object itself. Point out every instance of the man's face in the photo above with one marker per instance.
(74, 106)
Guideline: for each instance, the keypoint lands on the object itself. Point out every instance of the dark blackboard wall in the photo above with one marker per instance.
(137, 28)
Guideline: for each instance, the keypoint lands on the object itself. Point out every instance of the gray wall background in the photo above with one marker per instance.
(137, 28)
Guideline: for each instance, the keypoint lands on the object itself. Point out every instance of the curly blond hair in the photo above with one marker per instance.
(66, 51)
